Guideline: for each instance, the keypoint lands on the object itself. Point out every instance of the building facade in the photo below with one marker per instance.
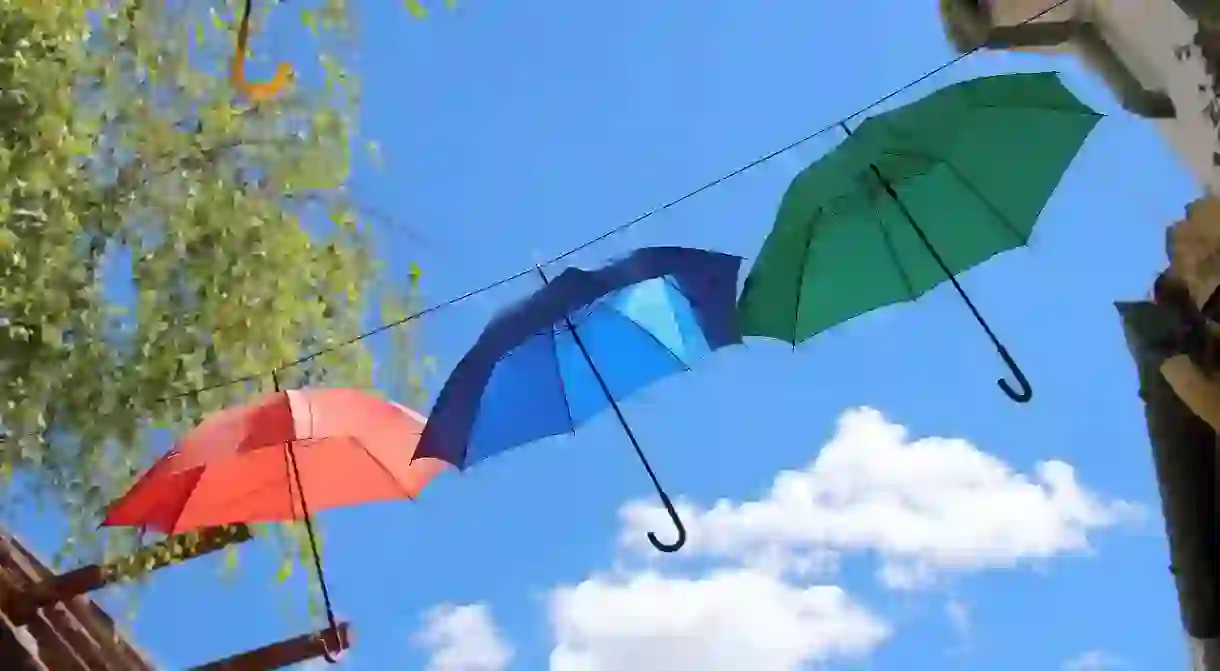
(1160, 58)
(1161, 61)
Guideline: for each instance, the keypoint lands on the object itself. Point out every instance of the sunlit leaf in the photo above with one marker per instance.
(284, 571)
(416, 8)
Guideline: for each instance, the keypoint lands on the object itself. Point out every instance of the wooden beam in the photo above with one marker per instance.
(96, 576)
(285, 653)
(75, 634)
(15, 653)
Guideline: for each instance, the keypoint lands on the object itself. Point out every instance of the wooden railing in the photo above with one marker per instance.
(65, 630)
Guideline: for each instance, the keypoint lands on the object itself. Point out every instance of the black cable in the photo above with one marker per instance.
(607, 234)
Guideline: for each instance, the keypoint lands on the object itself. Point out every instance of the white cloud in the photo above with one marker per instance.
(961, 622)
(959, 617)
(726, 621)
(925, 507)
(1093, 660)
(463, 638)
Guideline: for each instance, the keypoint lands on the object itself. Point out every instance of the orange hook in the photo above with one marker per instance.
(255, 92)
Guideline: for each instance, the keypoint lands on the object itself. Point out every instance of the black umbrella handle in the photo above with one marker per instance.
(1027, 391)
(677, 520)
(639, 452)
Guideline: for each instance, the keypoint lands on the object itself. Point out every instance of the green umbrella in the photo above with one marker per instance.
(913, 197)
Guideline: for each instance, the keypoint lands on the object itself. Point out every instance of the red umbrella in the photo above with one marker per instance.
(349, 446)
(281, 458)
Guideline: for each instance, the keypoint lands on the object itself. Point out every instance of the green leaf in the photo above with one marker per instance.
(51, 335)
(416, 8)
(284, 572)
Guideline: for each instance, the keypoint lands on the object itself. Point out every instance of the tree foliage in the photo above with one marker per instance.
(157, 238)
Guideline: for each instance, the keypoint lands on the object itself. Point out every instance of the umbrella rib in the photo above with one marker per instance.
(274, 483)
(245, 494)
(292, 502)
(889, 246)
(384, 469)
(651, 336)
(1005, 222)
(669, 280)
(195, 473)
(800, 275)
(563, 388)
(999, 216)
(1037, 108)
(943, 160)
(673, 283)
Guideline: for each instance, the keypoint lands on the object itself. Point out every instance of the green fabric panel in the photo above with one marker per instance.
(974, 164)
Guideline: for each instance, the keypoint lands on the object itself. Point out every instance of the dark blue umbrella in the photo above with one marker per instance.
(586, 340)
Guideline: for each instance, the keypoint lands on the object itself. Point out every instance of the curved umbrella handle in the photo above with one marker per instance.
(327, 655)
(673, 515)
(635, 444)
(1027, 392)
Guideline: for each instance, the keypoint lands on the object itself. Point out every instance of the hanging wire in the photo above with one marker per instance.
(532, 268)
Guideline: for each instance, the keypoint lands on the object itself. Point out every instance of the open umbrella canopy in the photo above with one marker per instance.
(350, 448)
(913, 197)
(277, 459)
(642, 318)
(581, 343)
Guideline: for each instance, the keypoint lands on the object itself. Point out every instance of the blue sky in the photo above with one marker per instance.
(514, 131)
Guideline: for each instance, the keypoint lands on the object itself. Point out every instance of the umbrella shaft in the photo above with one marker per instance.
(923, 237)
(309, 531)
(295, 471)
(618, 412)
